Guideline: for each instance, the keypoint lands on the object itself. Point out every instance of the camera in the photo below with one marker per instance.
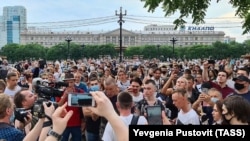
(21, 114)
(49, 90)
(38, 109)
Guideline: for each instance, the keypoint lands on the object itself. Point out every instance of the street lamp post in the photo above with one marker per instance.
(120, 21)
(68, 39)
(173, 40)
(158, 46)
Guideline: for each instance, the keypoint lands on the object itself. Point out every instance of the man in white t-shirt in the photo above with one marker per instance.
(124, 104)
(12, 88)
(186, 115)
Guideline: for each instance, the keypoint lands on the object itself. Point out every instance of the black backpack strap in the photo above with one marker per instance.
(134, 120)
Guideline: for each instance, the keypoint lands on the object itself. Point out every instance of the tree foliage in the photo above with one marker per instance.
(197, 10)
(217, 50)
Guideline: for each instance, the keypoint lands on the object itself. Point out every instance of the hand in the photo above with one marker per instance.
(48, 110)
(68, 91)
(205, 65)
(202, 97)
(28, 119)
(173, 75)
(207, 98)
(104, 106)
(165, 119)
(94, 116)
(60, 118)
(130, 89)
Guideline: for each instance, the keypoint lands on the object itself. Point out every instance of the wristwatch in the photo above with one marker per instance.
(54, 134)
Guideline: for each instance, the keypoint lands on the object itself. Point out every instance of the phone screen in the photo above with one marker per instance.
(80, 100)
(154, 115)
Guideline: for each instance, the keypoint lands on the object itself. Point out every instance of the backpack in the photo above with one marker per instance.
(134, 120)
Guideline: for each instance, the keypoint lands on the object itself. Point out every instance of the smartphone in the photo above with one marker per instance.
(211, 62)
(154, 115)
(204, 90)
(80, 100)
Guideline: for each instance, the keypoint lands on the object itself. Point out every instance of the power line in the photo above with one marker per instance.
(170, 17)
(98, 18)
(112, 19)
(150, 20)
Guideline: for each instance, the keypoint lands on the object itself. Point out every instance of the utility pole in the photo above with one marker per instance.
(120, 21)
(173, 40)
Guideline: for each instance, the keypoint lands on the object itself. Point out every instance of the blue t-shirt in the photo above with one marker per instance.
(83, 87)
(246, 95)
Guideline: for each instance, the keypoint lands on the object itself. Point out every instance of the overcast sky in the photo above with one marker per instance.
(99, 15)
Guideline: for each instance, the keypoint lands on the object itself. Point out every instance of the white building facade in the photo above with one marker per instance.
(151, 35)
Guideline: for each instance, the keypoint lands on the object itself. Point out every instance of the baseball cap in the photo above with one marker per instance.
(242, 78)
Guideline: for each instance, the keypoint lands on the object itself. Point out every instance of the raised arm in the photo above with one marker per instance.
(165, 89)
(205, 71)
(104, 108)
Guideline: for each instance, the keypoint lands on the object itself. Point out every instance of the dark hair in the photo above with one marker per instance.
(75, 67)
(93, 74)
(19, 98)
(219, 104)
(187, 71)
(125, 100)
(157, 69)
(27, 75)
(244, 69)
(238, 106)
(93, 79)
(189, 77)
(137, 80)
(224, 72)
(215, 73)
(150, 81)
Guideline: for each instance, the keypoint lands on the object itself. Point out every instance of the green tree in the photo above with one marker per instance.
(197, 9)
(9, 51)
(32, 51)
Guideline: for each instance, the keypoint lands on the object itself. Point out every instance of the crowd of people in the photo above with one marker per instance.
(34, 97)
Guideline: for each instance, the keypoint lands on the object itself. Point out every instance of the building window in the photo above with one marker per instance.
(108, 40)
(113, 39)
